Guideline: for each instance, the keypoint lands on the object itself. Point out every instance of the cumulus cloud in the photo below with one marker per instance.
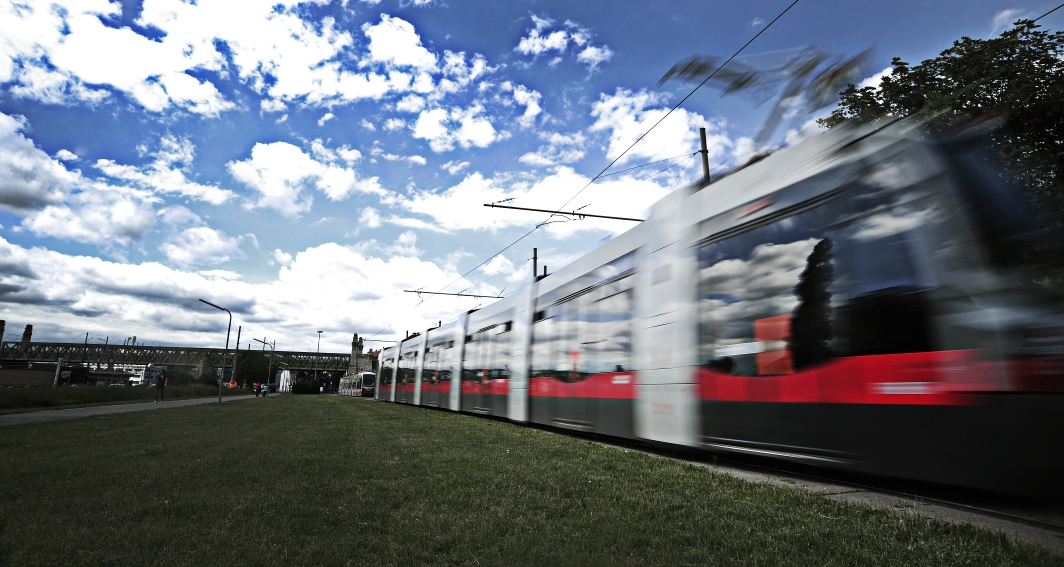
(529, 99)
(546, 38)
(874, 80)
(560, 148)
(325, 118)
(808, 129)
(449, 208)
(201, 245)
(280, 172)
(66, 155)
(393, 41)
(454, 166)
(626, 115)
(97, 215)
(331, 287)
(29, 178)
(466, 127)
(167, 173)
(66, 54)
(593, 56)
(539, 41)
(52, 54)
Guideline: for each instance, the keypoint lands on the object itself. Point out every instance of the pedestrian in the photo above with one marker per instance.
(160, 384)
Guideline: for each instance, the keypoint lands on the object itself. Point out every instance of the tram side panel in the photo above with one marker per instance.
(520, 354)
(486, 363)
(419, 367)
(581, 350)
(436, 376)
(666, 326)
(454, 362)
(385, 382)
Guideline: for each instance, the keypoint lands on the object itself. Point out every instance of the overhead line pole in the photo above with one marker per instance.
(573, 213)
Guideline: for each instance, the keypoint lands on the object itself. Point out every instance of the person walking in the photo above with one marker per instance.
(160, 384)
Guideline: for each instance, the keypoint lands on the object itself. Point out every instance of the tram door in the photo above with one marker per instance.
(575, 406)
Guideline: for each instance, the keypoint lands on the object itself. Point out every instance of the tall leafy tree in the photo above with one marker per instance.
(1019, 74)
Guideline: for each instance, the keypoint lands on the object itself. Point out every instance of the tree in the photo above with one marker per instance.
(811, 332)
(1019, 74)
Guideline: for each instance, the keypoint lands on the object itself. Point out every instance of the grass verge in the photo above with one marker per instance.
(15, 400)
(312, 480)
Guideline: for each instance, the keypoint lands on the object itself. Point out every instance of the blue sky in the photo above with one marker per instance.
(303, 163)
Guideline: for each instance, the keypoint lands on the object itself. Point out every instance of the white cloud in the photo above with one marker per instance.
(874, 80)
(393, 41)
(465, 127)
(98, 215)
(410, 103)
(282, 258)
(66, 155)
(168, 173)
(201, 245)
(280, 172)
(52, 53)
(622, 195)
(536, 43)
(394, 124)
(560, 148)
(1004, 19)
(454, 166)
(593, 56)
(530, 100)
(626, 115)
(808, 129)
(369, 218)
(29, 178)
(745, 148)
(331, 287)
(756, 23)
(415, 159)
(64, 53)
(541, 40)
(325, 118)
(367, 125)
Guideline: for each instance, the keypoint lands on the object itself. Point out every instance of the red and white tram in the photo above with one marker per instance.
(856, 301)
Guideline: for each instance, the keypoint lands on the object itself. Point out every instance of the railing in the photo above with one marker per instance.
(75, 353)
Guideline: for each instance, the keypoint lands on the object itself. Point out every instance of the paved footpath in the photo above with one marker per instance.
(75, 413)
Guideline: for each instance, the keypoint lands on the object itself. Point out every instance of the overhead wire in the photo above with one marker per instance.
(646, 164)
(1048, 13)
(677, 105)
(622, 154)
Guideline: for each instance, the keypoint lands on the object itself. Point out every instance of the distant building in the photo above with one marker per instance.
(361, 362)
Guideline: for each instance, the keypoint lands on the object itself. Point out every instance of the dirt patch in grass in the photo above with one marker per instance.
(311, 480)
(33, 398)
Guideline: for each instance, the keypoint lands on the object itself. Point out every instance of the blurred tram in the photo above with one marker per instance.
(857, 301)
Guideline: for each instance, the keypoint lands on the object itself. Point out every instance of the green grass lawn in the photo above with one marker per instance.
(316, 480)
(34, 398)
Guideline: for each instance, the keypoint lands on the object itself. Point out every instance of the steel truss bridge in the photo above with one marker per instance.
(75, 353)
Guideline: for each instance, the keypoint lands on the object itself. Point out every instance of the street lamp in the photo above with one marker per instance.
(269, 371)
(317, 355)
(228, 329)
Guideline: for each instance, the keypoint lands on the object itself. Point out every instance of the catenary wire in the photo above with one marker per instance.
(677, 105)
(1048, 13)
(645, 164)
(622, 154)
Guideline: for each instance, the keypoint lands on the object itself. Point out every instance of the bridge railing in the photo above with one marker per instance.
(14, 351)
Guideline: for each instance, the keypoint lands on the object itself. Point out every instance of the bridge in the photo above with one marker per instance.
(75, 353)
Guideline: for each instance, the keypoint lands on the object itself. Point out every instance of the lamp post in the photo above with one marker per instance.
(228, 329)
(317, 355)
(273, 347)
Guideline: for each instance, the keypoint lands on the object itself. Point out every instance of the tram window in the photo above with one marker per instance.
(542, 336)
(613, 316)
(836, 280)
